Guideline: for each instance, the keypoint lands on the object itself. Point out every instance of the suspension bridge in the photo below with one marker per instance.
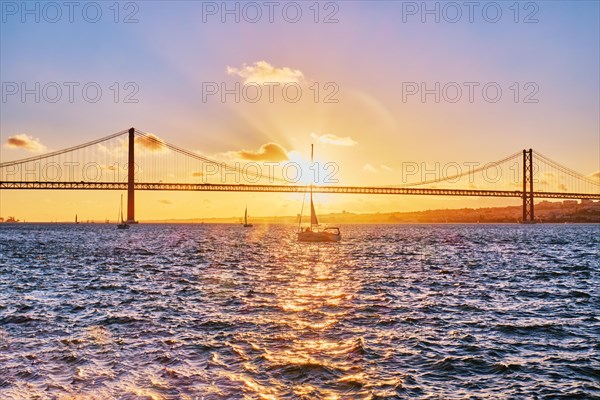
(134, 160)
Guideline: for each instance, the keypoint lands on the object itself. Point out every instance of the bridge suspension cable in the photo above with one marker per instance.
(196, 156)
(567, 170)
(63, 151)
(108, 162)
(470, 172)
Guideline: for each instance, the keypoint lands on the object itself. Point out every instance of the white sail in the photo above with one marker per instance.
(313, 214)
(121, 208)
(122, 224)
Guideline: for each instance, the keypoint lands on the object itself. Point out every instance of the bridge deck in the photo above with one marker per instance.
(288, 189)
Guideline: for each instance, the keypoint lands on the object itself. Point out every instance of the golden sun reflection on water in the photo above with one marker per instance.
(313, 303)
(302, 301)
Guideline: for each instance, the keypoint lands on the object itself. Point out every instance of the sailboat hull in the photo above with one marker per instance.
(312, 236)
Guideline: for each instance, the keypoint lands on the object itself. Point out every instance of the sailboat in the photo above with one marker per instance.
(246, 224)
(76, 219)
(312, 233)
(123, 224)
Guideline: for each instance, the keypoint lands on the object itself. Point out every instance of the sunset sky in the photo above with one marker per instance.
(368, 61)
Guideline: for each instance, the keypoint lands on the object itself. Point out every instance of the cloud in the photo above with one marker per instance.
(267, 152)
(334, 140)
(118, 150)
(167, 202)
(262, 72)
(197, 174)
(369, 168)
(150, 142)
(25, 142)
(595, 175)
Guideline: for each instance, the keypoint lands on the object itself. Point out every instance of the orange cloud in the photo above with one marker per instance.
(150, 142)
(25, 142)
(262, 72)
(267, 152)
(167, 202)
(595, 175)
(198, 173)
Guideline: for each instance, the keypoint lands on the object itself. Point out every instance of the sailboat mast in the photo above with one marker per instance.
(121, 208)
(246, 216)
(313, 214)
(312, 209)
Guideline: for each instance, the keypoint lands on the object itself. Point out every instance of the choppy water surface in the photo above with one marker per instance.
(222, 312)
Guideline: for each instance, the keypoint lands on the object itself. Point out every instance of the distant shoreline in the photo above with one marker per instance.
(569, 211)
(290, 224)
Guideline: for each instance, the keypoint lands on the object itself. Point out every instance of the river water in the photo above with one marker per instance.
(223, 312)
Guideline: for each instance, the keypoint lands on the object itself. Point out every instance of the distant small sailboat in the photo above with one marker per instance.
(123, 224)
(312, 233)
(76, 219)
(246, 224)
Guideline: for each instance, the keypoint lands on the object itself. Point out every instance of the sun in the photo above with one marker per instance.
(300, 171)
